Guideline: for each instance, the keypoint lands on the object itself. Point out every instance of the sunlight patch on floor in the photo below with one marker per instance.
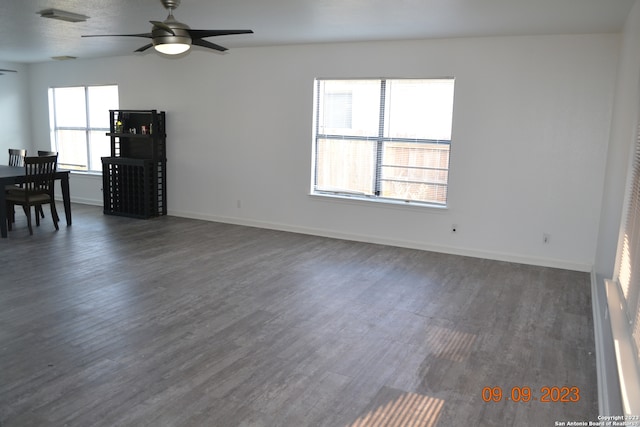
(451, 344)
(409, 409)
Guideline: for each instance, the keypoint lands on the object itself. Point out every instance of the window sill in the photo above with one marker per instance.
(84, 173)
(397, 204)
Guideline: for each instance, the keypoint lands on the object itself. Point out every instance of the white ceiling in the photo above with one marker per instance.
(25, 37)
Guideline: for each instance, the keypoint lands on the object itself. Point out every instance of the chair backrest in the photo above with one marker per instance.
(16, 157)
(39, 174)
(47, 153)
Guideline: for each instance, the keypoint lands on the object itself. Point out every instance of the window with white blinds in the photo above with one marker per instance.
(628, 259)
(384, 139)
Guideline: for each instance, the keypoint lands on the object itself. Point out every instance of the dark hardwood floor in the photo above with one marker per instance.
(177, 322)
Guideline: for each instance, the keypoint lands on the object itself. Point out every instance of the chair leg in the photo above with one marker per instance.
(55, 209)
(11, 215)
(27, 210)
(54, 215)
(40, 210)
(37, 214)
(9, 219)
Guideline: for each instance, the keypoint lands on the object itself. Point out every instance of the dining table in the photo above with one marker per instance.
(16, 175)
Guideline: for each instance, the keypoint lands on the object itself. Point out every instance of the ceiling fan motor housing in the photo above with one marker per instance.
(181, 35)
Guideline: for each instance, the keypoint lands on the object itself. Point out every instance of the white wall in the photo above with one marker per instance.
(530, 132)
(14, 110)
(621, 144)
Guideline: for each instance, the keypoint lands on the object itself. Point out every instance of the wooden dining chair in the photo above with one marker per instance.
(16, 158)
(41, 153)
(36, 191)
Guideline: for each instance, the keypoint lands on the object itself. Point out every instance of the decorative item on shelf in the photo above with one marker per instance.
(143, 129)
(132, 130)
(118, 126)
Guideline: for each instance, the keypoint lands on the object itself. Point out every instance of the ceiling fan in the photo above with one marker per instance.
(7, 71)
(172, 37)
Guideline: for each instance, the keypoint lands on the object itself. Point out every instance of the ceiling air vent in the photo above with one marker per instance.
(62, 15)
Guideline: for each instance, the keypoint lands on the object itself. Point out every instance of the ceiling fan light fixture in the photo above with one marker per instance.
(171, 37)
(172, 48)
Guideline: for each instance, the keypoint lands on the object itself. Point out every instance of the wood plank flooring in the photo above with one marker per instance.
(178, 322)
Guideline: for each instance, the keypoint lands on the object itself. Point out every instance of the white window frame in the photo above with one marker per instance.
(378, 142)
(88, 129)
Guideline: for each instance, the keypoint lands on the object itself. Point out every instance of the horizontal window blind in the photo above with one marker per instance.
(627, 270)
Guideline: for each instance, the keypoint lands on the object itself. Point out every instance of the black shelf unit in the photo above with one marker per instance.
(134, 177)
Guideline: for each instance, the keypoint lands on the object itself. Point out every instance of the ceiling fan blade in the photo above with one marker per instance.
(198, 34)
(204, 43)
(145, 47)
(7, 71)
(163, 26)
(147, 35)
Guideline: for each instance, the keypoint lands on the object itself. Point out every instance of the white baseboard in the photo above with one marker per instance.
(83, 201)
(543, 262)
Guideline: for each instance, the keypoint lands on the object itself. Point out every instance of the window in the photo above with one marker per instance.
(627, 269)
(79, 118)
(383, 139)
